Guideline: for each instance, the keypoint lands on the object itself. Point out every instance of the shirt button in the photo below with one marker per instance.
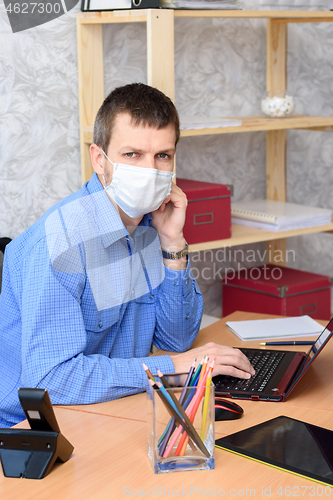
(100, 324)
(176, 283)
(132, 292)
(151, 296)
(187, 316)
(187, 282)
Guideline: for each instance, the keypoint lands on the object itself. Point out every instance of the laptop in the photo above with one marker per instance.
(277, 372)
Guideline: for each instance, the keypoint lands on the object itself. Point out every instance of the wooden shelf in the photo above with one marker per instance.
(242, 235)
(140, 15)
(254, 124)
(287, 16)
(262, 123)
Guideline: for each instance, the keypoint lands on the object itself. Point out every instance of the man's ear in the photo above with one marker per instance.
(97, 159)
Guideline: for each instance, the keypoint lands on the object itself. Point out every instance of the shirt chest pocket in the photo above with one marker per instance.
(147, 298)
(98, 321)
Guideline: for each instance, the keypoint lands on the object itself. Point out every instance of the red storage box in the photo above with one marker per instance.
(273, 289)
(208, 214)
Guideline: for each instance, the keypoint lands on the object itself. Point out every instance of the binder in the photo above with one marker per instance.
(105, 5)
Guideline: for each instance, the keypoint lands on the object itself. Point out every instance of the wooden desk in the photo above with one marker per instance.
(110, 461)
(313, 391)
(110, 449)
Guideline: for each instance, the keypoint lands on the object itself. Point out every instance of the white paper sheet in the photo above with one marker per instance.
(279, 328)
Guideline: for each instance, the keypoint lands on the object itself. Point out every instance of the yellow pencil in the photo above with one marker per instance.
(182, 447)
(206, 401)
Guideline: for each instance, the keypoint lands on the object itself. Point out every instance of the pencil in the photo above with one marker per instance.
(196, 374)
(194, 435)
(176, 435)
(168, 403)
(151, 378)
(206, 401)
(203, 370)
(196, 402)
(171, 426)
(148, 372)
(194, 382)
(296, 342)
(179, 430)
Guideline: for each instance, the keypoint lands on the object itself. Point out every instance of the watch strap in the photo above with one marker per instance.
(175, 255)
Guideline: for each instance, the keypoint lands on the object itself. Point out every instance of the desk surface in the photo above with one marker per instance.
(110, 447)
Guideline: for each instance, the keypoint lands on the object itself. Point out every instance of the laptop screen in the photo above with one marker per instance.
(321, 341)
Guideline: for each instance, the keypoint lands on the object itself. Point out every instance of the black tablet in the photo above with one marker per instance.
(289, 444)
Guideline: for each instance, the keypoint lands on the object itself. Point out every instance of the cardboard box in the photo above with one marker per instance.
(208, 215)
(273, 289)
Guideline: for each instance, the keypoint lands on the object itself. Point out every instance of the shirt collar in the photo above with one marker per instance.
(110, 225)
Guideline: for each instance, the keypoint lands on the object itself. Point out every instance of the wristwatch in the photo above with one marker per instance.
(175, 255)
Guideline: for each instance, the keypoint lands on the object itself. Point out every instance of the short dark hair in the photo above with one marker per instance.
(146, 105)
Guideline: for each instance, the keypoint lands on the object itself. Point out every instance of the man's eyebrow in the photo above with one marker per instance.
(129, 148)
(167, 150)
(126, 149)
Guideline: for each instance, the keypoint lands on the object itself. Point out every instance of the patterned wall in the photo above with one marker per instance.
(220, 70)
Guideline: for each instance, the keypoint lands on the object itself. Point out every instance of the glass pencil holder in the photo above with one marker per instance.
(176, 443)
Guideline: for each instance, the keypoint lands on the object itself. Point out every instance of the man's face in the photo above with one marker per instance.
(140, 146)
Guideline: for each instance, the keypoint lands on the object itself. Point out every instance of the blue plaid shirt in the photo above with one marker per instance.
(82, 302)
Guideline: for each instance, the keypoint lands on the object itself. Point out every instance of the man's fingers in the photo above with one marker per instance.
(231, 371)
(228, 361)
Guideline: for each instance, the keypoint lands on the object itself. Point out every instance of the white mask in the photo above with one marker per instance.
(138, 190)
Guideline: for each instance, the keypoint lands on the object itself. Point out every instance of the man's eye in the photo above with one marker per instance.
(164, 155)
(130, 155)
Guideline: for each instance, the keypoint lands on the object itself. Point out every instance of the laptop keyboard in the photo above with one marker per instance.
(265, 363)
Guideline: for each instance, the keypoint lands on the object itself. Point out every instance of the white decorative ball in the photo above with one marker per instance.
(279, 105)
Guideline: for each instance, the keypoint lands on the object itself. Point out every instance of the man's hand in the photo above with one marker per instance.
(228, 360)
(169, 220)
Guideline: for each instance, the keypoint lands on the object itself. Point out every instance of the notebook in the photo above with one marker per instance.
(288, 444)
(274, 215)
(277, 372)
(282, 328)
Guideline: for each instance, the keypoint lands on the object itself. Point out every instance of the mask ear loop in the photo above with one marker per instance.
(106, 156)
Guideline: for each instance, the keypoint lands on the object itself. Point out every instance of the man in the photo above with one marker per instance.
(86, 291)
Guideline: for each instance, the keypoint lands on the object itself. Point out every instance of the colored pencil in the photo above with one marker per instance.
(172, 423)
(168, 403)
(193, 434)
(197, 399)
(179, 430)
(294, 342)
(148, 372)
(206, 401)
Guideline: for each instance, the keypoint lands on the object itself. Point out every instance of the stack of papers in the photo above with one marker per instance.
(201, 4)
(199, 122)
(280, 328)
(293, 5)
(278, 216)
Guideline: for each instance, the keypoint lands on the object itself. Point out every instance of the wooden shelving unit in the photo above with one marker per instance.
(160, 73)
(242, 235)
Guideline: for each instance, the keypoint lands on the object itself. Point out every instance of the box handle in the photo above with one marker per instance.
(198, 222)
(313, 311)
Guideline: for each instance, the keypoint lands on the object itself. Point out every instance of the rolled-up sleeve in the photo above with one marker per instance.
(178, 311)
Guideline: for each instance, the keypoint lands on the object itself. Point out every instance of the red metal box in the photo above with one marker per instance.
(279, 290)
(208, 214)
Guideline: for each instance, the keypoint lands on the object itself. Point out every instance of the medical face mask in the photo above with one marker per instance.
(138, 190)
